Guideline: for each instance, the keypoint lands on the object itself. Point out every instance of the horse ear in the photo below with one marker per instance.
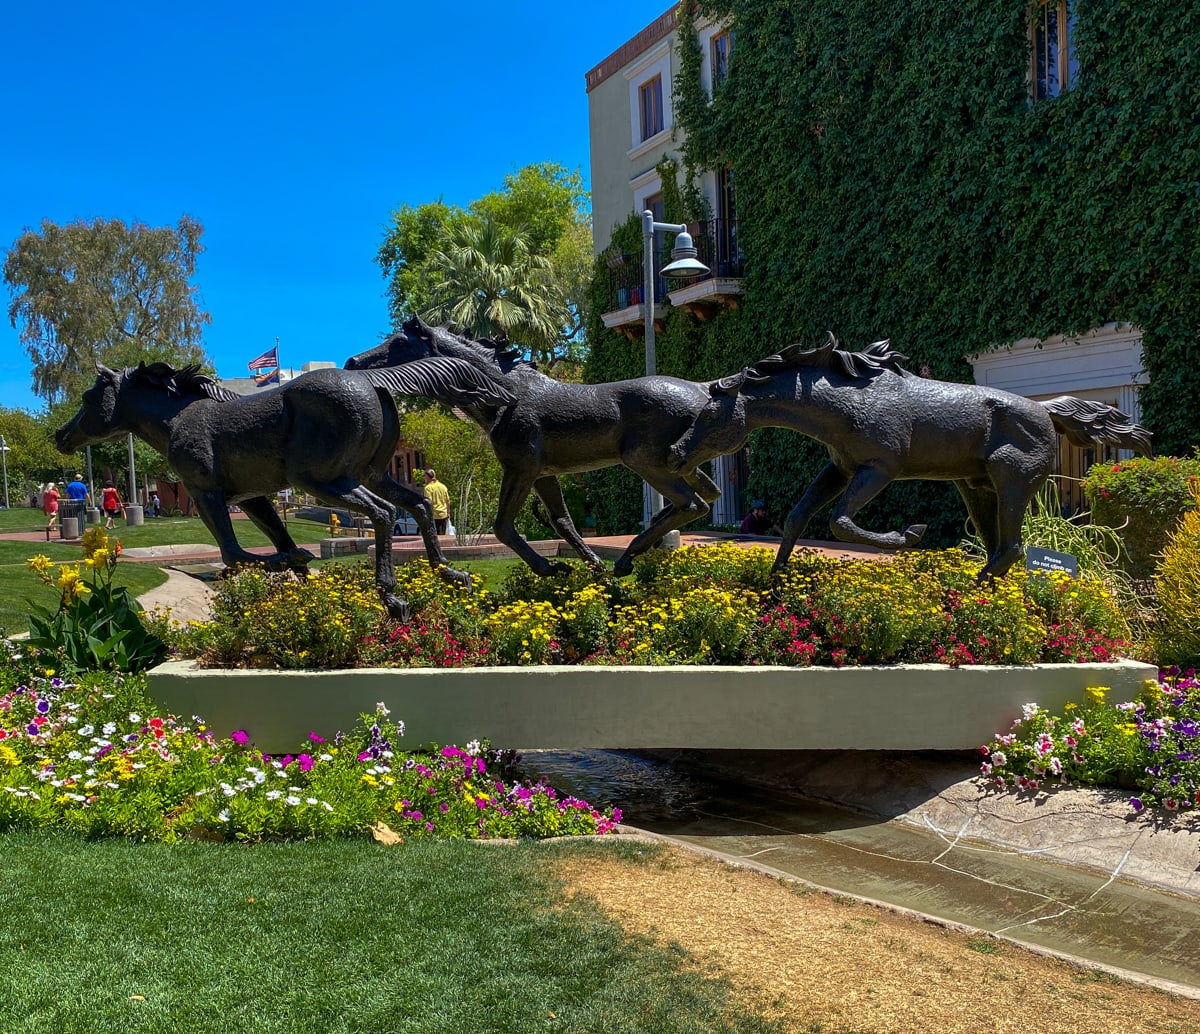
(104, 371)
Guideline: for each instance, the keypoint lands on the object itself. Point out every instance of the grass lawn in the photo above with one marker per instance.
(18, 586)
(434, 935)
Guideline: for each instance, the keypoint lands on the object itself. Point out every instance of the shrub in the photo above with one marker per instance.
(1176, 634)
(1148, 497)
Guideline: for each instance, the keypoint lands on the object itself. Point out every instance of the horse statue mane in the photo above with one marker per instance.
(877, 356)
(187, 381)
(496, 352)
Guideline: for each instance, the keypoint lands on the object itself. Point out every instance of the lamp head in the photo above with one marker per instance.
(684, 264)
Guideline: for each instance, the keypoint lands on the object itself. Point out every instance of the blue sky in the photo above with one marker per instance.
(291, 132)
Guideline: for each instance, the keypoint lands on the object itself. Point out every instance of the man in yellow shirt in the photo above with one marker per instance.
(439, 495)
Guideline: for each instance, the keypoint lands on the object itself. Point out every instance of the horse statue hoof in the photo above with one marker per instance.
(623, 566)
(397, 608)
(914, 533)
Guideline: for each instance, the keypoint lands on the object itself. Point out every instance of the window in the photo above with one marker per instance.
(655, 204)
(721, 47)
(650, 95)
(1053, 65)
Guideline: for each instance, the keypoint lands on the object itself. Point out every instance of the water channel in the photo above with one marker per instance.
(1073, 911)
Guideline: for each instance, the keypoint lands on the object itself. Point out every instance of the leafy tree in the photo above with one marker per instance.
(490, 283)
(32, 457)
(102, 290)
(431, 255)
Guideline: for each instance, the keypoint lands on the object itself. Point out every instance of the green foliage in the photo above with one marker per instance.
(97, 625)
(1144, 499)
(104, 290)
(516, 261)
(1177, 631)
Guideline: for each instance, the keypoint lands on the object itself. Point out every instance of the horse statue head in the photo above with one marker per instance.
(108, 410)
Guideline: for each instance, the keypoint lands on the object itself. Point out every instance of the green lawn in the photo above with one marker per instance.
(18, 586)
(431, 936)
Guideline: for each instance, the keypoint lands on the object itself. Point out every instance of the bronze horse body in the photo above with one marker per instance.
(882, 423)
(554, 428)
(329, 433)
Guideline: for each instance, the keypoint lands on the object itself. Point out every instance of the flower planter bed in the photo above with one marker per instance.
(901, 707)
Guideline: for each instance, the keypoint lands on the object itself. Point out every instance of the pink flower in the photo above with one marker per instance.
(240, 737)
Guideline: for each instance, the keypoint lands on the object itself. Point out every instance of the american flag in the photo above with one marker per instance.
(267, 361)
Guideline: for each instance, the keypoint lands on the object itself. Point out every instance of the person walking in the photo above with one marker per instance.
(77, 502)
(439, 496)
(110, 503)
(155, 506)
(50, 507)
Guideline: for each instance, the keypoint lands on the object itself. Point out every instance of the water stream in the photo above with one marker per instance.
(1082, 913)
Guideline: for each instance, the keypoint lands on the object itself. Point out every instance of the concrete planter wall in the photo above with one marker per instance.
(906, 707)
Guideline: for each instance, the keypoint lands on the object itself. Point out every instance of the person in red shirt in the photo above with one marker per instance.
(50, 507)
(110, 503)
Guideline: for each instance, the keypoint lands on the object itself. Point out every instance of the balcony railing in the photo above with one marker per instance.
(716, 247)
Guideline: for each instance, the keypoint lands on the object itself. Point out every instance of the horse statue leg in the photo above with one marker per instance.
(262, 513)
(515, 487)
(1013, 495)
(421, 509)
(214, 512)
(550, 493)
(360, 499)
(684, 504)
(825, 488)
(865, 484)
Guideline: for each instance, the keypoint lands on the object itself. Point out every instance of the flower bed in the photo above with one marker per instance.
(697, 605)
(93, 755)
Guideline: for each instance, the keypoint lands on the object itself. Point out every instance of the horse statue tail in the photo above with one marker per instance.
(1093, 423)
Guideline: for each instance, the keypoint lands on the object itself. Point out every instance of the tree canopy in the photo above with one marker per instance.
(515, 262)
(104, 290)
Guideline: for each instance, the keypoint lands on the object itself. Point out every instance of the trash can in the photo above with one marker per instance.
(94, 516)
(71, 511)
(134, 515)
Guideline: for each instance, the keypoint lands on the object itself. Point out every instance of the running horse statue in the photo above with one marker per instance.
(329, 433)
(555, 428)
(882, 423)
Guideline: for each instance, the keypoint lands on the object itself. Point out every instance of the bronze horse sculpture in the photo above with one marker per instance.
(554, 428)
(328, 433)
(882, 423)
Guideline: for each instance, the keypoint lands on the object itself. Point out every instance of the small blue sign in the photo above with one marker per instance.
(1038, 559)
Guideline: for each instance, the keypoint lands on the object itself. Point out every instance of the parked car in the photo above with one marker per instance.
(405, 525)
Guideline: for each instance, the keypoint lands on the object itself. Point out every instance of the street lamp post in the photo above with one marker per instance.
(684, 265)
(4, 455)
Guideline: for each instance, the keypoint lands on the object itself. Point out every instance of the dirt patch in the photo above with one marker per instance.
(819, 962)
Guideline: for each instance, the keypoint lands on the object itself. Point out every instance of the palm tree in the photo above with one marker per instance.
(491, 285)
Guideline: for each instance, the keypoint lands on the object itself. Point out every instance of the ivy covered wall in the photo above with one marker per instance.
(895, 181)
